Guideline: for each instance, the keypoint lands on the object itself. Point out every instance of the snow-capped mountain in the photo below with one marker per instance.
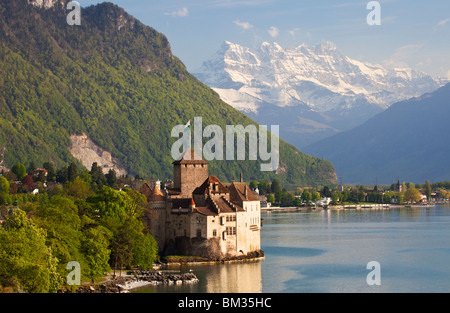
(311, 92)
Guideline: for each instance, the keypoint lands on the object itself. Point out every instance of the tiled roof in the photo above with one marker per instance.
(205, 211)
(152, 194)
(212, 208)
(238, 191)
(203, 189)
(156, 195)
(226, 206)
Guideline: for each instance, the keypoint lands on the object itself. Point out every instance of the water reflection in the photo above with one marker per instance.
(235, 278)
(328, 252)
(215, 278)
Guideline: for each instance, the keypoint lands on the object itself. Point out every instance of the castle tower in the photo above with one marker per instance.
(189, 173)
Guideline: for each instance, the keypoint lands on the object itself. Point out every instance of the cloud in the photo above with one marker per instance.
(243, 25)
(273, 31)
(293, 31)
(441, 23)
(402, 55)
(448, 75)
(237, 3)
(179, 13)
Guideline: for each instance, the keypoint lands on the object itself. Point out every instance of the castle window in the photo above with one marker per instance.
(215, 233)
(199, 232)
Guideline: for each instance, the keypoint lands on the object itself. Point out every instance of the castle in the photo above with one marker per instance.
(200, 216)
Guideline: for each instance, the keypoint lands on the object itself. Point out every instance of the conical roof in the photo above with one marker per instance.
(156, 195)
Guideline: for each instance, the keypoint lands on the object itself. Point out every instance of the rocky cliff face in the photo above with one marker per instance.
(46, 4)
(87, 152)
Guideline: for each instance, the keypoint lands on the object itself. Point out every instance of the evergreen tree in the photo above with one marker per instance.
(72, 172)
(111, 178)
(97, 176)
(51, 172)
(276, 187)
(428, 189)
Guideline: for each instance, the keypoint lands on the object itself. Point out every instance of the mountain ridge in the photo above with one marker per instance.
(402, 143)
(117, 81)
(320, 84)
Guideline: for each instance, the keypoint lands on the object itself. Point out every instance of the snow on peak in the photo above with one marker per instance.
(321, 77)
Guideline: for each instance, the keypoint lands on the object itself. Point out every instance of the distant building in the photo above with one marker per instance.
(399, 187)
(200, 216)
(324, 202)
(38, 172)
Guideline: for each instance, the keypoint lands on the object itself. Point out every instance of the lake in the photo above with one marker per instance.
(328, 252)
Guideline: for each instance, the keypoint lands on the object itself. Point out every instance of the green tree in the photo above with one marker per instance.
(62, 176)
(326, 192)
(97, 176)
(72, 172)
(264, 187)
(412, 195)
(315, 196)
(275, 186)
(111, 178)
(428, 189)
(31, 168)
(253, 184)
(63, 225)
(51, 172)
(306, 196)
(25, 261)
(297, 202)
(78, 189)
(20, 171)
(4, 185)
(336, 197)
(95, 248)
(145, 250)
(345, 195)
(121, 212)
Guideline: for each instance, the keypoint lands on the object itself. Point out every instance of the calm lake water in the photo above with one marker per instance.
(328, 252)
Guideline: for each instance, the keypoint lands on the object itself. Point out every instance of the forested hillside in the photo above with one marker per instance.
(115, 80)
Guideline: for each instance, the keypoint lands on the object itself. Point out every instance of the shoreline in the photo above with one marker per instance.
(345, 207)
(132, 280)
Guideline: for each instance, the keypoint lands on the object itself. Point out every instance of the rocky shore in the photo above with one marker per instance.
(252, 256)
(136, 279)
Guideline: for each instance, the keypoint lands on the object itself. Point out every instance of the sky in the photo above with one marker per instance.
(412, 33)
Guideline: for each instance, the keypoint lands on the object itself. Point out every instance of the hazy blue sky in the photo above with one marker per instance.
(412, 32)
